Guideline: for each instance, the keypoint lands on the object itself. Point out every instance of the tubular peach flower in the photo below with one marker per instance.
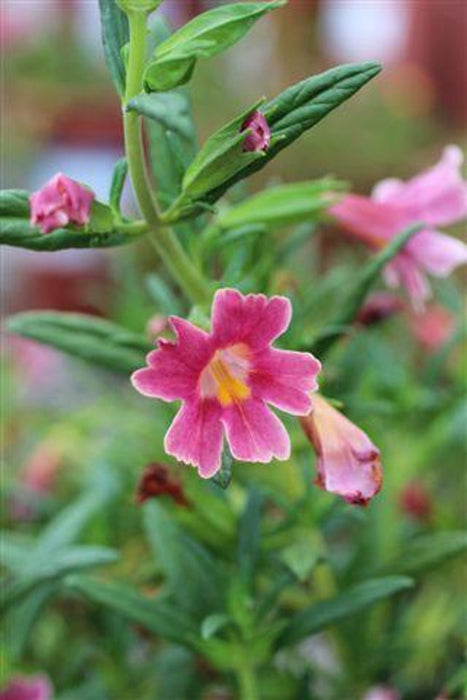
(225, 378)
(60, 202)
(437, 197)
(348, 462)
(260, 136)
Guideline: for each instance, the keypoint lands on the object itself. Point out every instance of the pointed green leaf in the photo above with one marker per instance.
(299, 108)
(115, 35)
(214, 623)
(192, 574)
(249, 536)
(206, 35)
(170, 109)
(118, 181)
(282, 205)
(428, 551)
(92, 339)
(158, 616)
(353, 600)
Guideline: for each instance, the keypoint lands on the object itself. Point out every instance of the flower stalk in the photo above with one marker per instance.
(163, 238)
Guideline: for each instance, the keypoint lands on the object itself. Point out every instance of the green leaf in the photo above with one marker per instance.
(224, 475)
(192, 575)
(299, 108)
(21, 618)
(170, 109)
(118, 181)
(206, 35)
(327, 612)
(220, 158)
(428, 551)
(167, 302)
(16, 230)
(102, 218)
(213, 623)
(92, 339)
(115, 35)
(355, 297)
(55, 566)
(282, 205)
(159, 617)
(249, 536)
(301, 556)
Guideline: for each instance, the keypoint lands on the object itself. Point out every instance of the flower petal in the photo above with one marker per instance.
(254, 433)
(195, 436)
(403, 271)
(438, 253)
(284, 378)
(174, 368)
(348, 462)
(438, 196)
(252, 319)
(371, 222)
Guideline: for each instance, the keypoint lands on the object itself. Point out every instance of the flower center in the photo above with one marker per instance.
(226, 374)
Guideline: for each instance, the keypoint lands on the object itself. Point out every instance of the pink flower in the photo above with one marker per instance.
(225, 378)
(60, 202)
(433, 328)
(260, 136)
(437, 197)
(23, 688)
(348, 462)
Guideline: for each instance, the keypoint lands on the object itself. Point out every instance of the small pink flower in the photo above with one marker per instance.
(225, 378)
(60, 202)
(27, 688)
(433, 328)
(260, 136)
(348, 462)
(437, 197)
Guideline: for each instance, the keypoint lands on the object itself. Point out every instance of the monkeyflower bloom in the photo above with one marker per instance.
(225, 378)
(60, 202)
(348, 462)
(437, 197)
(260, 136)
(27, 688)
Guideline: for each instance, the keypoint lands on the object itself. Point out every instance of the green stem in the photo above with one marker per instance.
(247, 683)
(164, 240)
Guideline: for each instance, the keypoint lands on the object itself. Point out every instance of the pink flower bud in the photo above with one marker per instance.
(60, 202)
(260, 136)
(348, 462)
(379, 307)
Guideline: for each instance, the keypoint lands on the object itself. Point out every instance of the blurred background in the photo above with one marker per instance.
(60, 113)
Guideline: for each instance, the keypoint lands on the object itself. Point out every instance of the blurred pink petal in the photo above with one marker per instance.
(60, 202)
(348, 462)
(27, 688)
(225, 378)
(378, 307)
(437, 197)
(433, 328)
(381, 692)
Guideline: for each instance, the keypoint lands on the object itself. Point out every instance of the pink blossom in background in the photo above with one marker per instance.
(437, 197)
(348, 462)
(260, 136)
(27, 688)
(433, 328)
(415, 501)
(381, 692)
(60, 202)
(226, 377)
